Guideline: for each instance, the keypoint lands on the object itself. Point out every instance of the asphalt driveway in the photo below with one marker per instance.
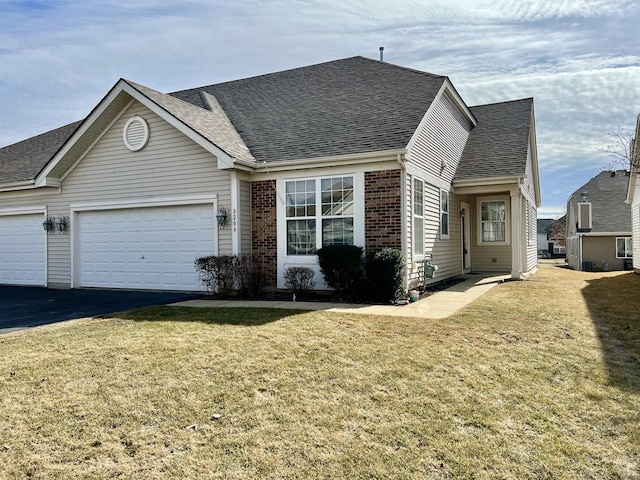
(24, 307)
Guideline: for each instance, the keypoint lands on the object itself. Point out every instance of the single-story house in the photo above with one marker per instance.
(599, 224)
(633, 198)
(352, 151)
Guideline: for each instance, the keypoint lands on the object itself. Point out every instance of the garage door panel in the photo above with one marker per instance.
(22, 250)
(148, 248)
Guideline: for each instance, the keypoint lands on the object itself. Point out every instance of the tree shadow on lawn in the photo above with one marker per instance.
(614, 305)
(243, 316)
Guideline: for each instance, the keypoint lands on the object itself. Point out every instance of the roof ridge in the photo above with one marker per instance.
(306, 67)
(503, 103)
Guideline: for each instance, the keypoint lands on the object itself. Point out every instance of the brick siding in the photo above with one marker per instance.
(264, 240)
(383, 212)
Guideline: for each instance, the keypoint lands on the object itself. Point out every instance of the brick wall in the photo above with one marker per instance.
(382, 206)
(264, 241)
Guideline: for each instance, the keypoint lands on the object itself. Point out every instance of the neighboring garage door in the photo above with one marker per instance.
(22, 250)
(145, 248)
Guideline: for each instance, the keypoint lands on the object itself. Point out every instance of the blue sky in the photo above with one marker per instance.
(579, 59)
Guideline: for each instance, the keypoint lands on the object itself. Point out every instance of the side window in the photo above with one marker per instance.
(418, 217)
(493, 221)
(444, 214)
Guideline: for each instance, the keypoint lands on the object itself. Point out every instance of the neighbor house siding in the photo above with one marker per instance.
(601, 252)
(171, 165)
(635, 223)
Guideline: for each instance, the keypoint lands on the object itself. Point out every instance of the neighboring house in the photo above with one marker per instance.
(543, 225)
(599, 224)
(353, 151)
(633, 197)
(556, 238)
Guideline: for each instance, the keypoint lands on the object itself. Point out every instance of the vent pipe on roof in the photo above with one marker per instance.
(381, 50)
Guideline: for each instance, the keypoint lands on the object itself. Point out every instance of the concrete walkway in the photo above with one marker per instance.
(439, 305)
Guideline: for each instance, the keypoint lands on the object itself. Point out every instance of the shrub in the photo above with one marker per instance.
(248, 275)
(299, 279)
(341, 267)
(385, 275)
(217, 274)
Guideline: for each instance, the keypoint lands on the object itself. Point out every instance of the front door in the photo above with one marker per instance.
(466, 237)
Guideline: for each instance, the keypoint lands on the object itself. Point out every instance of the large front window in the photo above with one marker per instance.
(319, 213)
(493, 221)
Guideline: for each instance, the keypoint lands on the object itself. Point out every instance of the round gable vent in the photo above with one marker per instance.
(135, 133)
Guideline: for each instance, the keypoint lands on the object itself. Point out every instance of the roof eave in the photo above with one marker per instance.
(308, 163)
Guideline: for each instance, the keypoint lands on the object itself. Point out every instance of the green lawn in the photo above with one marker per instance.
(537, 379)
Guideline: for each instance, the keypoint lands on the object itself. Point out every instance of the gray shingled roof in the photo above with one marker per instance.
(211, 123)
(497, 146)
(607, 194)
(23, 161)
(347, 106)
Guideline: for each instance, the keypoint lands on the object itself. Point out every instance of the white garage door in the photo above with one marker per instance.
(22, 250)
(145, 248)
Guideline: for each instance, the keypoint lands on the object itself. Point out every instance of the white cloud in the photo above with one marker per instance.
(578, 58)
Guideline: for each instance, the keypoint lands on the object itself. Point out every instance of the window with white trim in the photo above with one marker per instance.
(444, 214)
(624, 247)
(418, 217)
(493, 221)
(319, 213)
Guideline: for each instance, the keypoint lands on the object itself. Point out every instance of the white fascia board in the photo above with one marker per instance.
(486, 185)
(322, 162)
(98, 110)
(24, 185)
(533, 145)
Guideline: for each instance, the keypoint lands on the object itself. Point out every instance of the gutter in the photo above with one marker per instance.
(308, 163)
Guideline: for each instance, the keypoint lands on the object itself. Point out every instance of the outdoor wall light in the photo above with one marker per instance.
(221, 217)
(583, 197)
(62, 224)
(48, 225)
(461, 212)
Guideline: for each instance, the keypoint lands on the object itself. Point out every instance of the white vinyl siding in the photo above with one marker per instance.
(169, 165)
(418, 218)
(441, 139)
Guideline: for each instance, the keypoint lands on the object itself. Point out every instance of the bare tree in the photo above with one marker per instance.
(622, 148)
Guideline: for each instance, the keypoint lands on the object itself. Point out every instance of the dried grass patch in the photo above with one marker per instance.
(534, 380)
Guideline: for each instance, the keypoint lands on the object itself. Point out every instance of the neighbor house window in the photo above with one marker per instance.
(319, 213)
(418, 217)
(624, 247)
(493, 221)
(444, 214)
